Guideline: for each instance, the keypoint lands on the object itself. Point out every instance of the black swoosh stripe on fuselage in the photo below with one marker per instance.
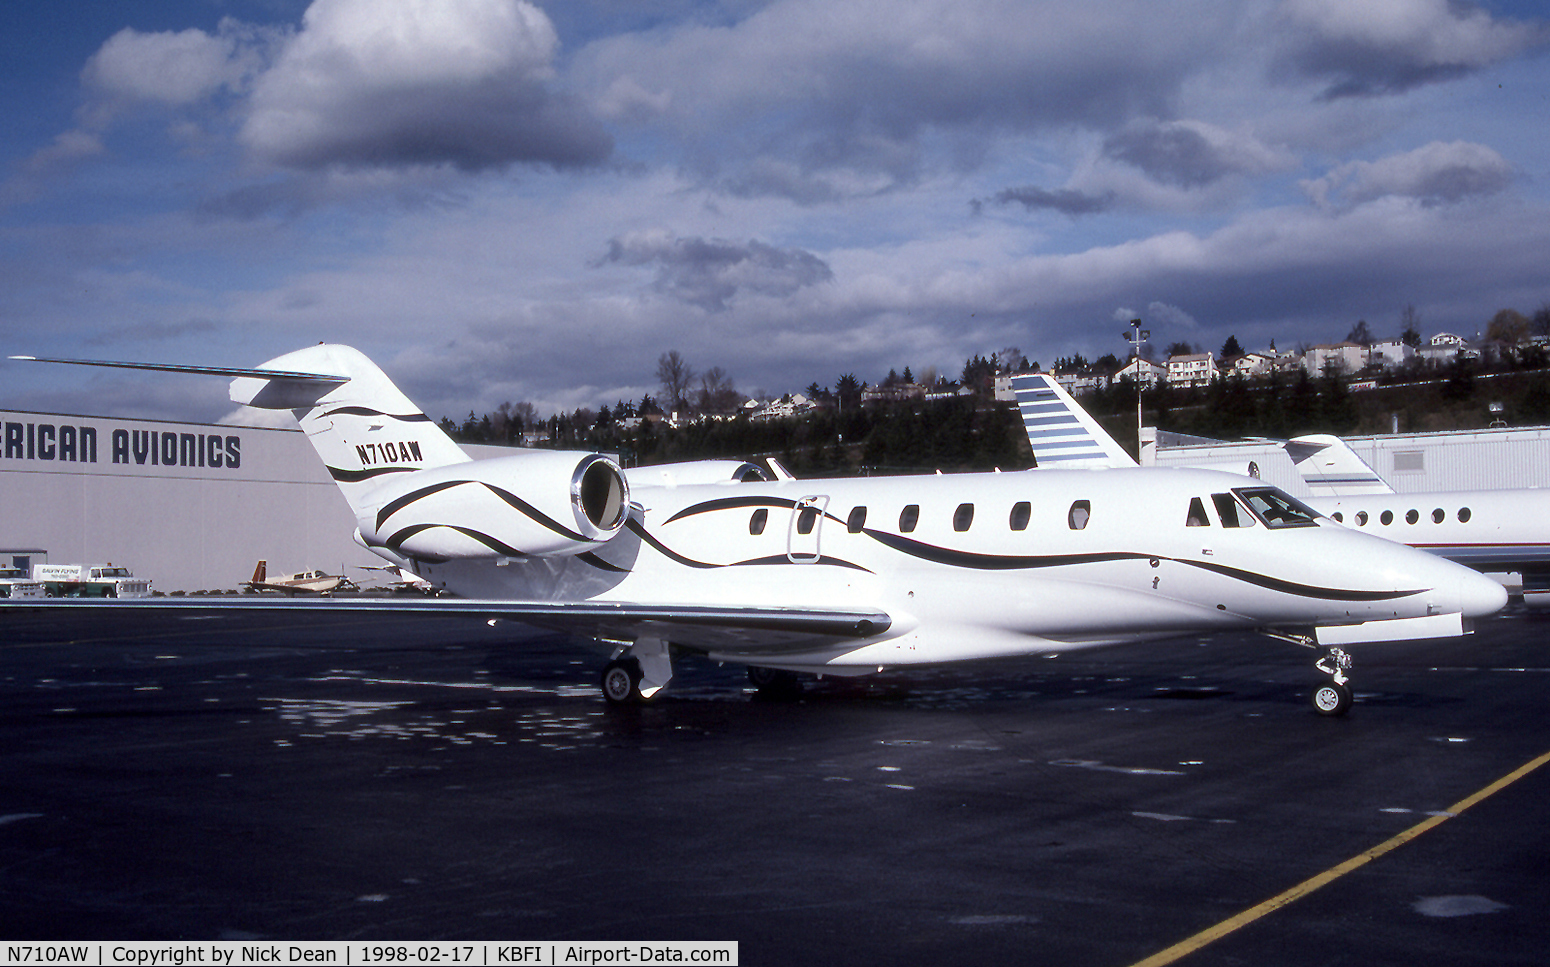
(356, 476)
(999, 562)
(651, 540)
(731, 503)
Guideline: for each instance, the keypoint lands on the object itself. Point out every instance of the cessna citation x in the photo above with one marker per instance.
(843, 576)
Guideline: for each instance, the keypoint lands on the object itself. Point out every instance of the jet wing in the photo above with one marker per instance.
(693, 626)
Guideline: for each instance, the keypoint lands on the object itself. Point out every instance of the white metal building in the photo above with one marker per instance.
(1513, 457)
(190, 506)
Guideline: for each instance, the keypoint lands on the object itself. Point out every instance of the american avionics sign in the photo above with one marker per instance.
(35, 440)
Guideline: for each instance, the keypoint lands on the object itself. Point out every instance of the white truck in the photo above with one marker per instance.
(89, 581)
(16, 583)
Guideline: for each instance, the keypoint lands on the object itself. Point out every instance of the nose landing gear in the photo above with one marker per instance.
(1333, 698)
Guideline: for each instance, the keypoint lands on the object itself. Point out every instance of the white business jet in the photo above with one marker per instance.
(843, 577)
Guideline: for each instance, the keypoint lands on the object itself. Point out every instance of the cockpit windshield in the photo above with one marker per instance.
(1276, 509)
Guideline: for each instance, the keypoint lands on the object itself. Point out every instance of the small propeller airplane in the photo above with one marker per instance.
(302, 582)
(841, 576)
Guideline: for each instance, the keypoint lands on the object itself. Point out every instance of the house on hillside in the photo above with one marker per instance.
(1148, 373)
(1195, 369)
(1442, 347)
(1389, 354)
(1340, 359)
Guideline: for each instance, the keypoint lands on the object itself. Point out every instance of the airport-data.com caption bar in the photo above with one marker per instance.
(223, 953)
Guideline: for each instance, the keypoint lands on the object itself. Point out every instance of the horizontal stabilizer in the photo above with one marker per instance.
(227, 371)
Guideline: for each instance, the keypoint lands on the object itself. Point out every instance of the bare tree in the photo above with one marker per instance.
(716, 393)
(1508, 326)
(1410, 318)
(675, 374)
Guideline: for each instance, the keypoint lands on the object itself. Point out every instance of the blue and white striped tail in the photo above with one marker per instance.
(1061, 433)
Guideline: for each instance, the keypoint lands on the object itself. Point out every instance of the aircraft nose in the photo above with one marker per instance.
(1476, 594)
(1479, 595)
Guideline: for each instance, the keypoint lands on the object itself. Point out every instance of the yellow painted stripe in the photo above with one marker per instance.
(1212, 934)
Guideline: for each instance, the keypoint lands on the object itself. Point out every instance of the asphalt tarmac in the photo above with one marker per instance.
(268, 777)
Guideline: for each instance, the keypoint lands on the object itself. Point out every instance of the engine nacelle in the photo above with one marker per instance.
(535, 504)
(694, 472)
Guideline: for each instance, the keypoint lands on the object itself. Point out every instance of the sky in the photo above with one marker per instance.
(509, 201)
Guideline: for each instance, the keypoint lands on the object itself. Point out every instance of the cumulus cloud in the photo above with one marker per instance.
(1190, 154)
(861, 85)
(1369, 48)
(175, 68)
(1161, 313)
(709, 273)
(1439, 173)
(407, 82)
(366, 84)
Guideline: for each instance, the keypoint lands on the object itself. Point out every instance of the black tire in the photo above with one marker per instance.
(621, 682)
(1331, 699)
(775, 682)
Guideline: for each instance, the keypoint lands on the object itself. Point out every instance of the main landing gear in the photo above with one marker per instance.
(637, 672)
(1333, 698)
(775, 683)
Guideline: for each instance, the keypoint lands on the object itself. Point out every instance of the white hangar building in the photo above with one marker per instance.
(1502, 458)
(190, 506)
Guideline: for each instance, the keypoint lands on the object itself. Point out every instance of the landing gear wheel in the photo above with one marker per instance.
(1332, 699)
(621, 682)
(774, 682)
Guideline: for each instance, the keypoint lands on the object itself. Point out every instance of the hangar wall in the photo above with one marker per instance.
(190, 506)
(1503, 458)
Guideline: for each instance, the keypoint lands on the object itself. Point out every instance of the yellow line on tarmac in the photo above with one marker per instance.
(1212, 934)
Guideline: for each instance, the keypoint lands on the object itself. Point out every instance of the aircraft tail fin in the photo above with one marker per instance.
(1062, 434)
(1331, 468)
(362, 427)
(359, 423)
(259, 573)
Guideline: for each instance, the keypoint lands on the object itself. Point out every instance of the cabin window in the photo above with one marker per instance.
(856, 520)
(1339, 517)
(1276, 509)
(1439, 515)
(1227, 510)
(908, 518)
(1411, 516)
(757, 521)
(1021, 512)
(1464, 515)
(1077, 517)
(1197, 514)
(807, 519)
(1387, 517)
(963, 517)
(1361, 518)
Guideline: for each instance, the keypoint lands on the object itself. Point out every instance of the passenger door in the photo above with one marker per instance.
(802, 545)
